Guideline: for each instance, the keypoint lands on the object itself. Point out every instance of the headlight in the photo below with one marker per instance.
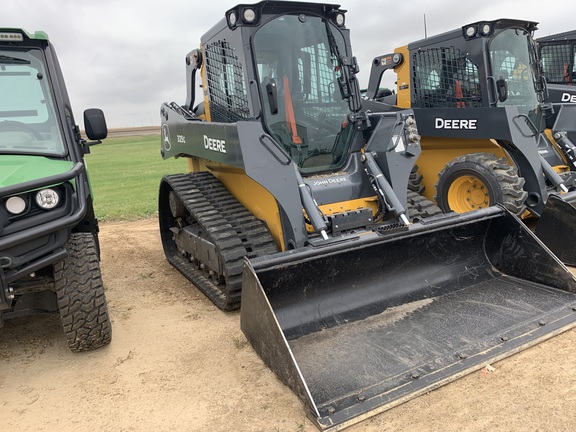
(486, 29)
(47, 199)
(232, 18)
(15, 205)
(471, 31)
(249, 15)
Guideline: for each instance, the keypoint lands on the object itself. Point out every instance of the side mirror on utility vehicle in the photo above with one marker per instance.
(95, 124)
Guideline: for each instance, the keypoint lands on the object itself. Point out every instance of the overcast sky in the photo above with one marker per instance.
(127, 56)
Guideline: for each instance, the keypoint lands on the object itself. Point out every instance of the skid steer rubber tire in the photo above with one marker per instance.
(479, 180)
(80, 295)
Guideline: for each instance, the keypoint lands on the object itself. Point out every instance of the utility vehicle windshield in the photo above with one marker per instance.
(27, 118)
(304, 107)
(513, 59)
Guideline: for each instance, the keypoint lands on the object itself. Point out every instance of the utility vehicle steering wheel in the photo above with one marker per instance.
(10, 125)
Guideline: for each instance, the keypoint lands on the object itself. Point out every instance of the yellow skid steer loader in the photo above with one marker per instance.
(482, 108)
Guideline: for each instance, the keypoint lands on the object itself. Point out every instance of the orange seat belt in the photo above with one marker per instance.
(459, 95)
(290, 119)
(566, 74)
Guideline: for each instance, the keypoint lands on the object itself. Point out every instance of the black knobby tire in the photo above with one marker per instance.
(220, 220)
(479, 180)
(420, 207)
(80, 295)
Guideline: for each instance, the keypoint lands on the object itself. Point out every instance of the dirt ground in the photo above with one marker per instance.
(176, 363)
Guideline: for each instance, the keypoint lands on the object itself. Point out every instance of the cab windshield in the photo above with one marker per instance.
(27, 117)
(304, 108)
(512, 57)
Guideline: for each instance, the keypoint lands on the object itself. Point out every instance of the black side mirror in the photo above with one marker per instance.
(95, 124)
(502, 89)
(272, 92)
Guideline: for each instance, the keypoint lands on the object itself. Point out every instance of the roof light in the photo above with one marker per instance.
(15, 205)
(249, 15)
(11, 37)
(47, 199)
(340, 19)
(471, 31)
(232, 19)
(486, 29)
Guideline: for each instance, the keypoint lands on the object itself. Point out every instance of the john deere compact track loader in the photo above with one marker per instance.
(296, 204)
(480, 101)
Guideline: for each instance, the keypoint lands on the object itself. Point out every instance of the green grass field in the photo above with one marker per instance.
(125, 173)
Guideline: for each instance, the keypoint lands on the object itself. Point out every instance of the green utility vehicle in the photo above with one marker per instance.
(49, 250)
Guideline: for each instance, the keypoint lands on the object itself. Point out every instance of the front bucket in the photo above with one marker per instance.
(557, 227)
(358, 327)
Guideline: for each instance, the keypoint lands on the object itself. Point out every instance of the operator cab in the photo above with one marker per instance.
(558, 57)
(299, 67)
(513, 63)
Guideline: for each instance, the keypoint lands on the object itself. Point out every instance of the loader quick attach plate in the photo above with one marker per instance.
(355, 330)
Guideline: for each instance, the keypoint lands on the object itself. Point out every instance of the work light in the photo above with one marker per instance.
(471, 31)
(12, 37)
(249, 15)
(486, 29)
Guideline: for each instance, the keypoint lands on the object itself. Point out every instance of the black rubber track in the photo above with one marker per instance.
(80, 294)
(224, 222)
(415, 181)
(420, 207)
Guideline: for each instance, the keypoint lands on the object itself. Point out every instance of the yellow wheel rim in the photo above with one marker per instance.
(468, 193)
